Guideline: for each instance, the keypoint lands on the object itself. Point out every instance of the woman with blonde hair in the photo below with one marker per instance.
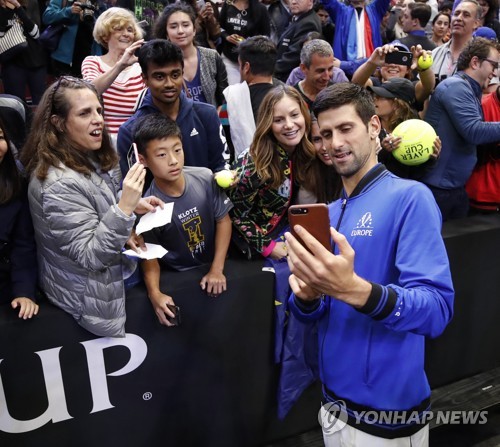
(117, 75)
(81, 223)
(280, 161)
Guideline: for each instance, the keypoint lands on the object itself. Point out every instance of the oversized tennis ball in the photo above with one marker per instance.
(426, 63)
(417, 138)
(224, 178)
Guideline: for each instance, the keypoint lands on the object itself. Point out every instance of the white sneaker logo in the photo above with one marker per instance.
(194, 132)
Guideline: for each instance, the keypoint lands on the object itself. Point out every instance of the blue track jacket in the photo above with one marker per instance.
(372, 358)
(203, 138)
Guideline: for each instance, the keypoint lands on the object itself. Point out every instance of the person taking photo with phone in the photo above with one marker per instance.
(378, 293)
(377, 70)
(81, 222)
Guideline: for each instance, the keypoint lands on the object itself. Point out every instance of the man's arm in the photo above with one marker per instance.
(417, 299)
(461, 106)
(214, 282)
(159, 301)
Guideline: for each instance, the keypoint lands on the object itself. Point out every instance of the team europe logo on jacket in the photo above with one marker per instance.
(364, 226)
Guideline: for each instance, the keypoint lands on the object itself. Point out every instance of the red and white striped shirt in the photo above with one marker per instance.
(121, 96)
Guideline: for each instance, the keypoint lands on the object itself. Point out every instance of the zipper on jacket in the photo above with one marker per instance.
(342, 210)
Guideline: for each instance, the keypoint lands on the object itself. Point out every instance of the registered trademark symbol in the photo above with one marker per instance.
(147, 395)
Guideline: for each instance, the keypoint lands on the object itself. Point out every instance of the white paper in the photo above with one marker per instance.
(153, 251)
(157, 219)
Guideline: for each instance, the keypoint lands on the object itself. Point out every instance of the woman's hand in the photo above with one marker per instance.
(279, 251)
(390, 142)
(235, 39)
(436, 148)
(129, 58)
(148, 205)
(378, 56)
(207, 12)
(133, 184)
(28, 308)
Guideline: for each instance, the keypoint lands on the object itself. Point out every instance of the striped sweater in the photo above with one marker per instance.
(121, 96)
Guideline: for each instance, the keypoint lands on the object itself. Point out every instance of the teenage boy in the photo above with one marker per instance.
(200, 230)
(162, 65)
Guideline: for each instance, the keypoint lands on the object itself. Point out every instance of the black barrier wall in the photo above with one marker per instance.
(210, 382)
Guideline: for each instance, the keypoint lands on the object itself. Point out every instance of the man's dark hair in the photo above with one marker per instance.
(478, 47)
(155, 126)
(261, 53)
(159, 52)
(343, 94)
(420, 11)
(318, 6)
(446, 5)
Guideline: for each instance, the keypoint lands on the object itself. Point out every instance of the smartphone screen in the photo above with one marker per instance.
(315, 219)
(399, 58)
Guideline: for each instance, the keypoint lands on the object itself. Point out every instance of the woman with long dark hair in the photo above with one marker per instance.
(204, 74)
(18, 267)
(441, 28)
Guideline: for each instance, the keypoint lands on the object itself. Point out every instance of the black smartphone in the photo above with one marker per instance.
(176, 321)
(315, 219)
(399, 58)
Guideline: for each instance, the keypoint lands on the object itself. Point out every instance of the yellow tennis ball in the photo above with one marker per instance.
(426, 63)
(224, 178)
(417, 138)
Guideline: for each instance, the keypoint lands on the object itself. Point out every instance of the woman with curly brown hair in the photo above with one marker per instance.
(81, 223)
(281, 161)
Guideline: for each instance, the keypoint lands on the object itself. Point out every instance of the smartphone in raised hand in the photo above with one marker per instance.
(399, 58)
(315, 219)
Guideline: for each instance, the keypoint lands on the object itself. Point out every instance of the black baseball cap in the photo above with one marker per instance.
(401, 88)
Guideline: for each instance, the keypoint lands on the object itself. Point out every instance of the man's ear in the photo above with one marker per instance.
(475, 62)
(142, 160)
(374, 127)
(303, 67)
(246, 68)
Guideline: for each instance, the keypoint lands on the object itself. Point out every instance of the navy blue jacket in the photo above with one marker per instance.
(203, 138)
(18, 264)
(456, 114)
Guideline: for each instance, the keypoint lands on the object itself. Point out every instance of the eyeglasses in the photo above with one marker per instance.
(68, 79)
(494, 64)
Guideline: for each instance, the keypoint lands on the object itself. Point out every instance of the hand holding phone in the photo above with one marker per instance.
(315, 219)
(176, 310)
(399, 58)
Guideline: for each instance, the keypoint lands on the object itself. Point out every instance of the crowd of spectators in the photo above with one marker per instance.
(134, 115)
